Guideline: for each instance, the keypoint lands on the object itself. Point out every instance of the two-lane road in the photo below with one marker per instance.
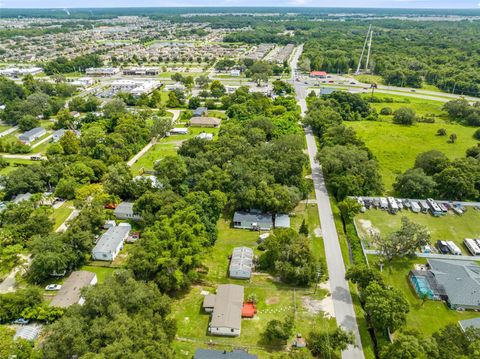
(341, 297)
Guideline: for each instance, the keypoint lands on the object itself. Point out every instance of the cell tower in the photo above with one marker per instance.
(368, 40)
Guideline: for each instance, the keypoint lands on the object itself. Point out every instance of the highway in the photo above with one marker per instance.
(341, 297)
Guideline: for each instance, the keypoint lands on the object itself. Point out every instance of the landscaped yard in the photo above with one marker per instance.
(450, 227)
(429, 316)
(396, 146)
(275, 300)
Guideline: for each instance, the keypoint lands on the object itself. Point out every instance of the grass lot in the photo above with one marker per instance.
(368, 79)
(101, 272)
(396, 147)
(449, 227)
(4, 128)
(61, 214)
(167, 147)
(13, 164)
(276, 300)
(432, 315)
(421, 107)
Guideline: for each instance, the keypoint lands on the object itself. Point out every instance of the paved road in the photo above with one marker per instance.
(342, 299)
(131, 162)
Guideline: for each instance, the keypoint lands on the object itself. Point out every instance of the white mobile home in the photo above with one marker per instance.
(32, 135)
(241, 263)
(110, 243)
(383, 203)
(259, 221)
(393, 205)
(125, 211)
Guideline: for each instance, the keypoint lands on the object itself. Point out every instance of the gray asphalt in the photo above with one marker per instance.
(342, 299)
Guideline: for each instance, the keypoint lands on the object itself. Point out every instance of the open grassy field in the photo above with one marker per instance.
(450, 227)
(275, 300)
(427, 317)
(167, 147)
(61, 214)
(13, 164)
(101, 272)
(396, 147)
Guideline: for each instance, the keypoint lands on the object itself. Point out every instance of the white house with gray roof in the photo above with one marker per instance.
(32, 135)
(111, 242)
(226, 308)
(58, 134)
(241, 263)
(125, 211)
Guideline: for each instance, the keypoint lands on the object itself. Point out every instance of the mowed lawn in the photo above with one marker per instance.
(449, 227)
(426, 317)
(275, 299)
(396, 147)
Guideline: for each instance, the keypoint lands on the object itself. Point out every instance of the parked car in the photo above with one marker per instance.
(53, 287)
(21, 321)
(443, 247)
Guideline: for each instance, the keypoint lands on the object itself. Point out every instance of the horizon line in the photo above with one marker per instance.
(239, 6)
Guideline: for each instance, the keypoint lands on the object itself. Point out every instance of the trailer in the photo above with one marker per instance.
(415, 207)
(424, 206)
(472, 246)
(454, 248)
(392, 205)
(434, 208)
(383, 203)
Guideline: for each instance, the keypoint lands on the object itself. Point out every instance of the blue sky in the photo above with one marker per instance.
(313, 3)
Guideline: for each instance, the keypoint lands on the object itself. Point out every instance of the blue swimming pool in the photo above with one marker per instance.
(421, 286)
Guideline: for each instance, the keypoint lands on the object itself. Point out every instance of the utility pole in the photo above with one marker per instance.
(363, 51)
(369, 48)
(319, 275)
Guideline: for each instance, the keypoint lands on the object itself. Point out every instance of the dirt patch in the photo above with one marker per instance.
(368, 228)
(272, 300)
(325, 305)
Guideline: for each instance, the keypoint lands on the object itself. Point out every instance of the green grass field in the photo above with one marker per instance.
(396, 147)
(275, 300)
(101, 272)
(450, 227)
(61, 214)
(167, 147)
(13, 164)
(429, 316)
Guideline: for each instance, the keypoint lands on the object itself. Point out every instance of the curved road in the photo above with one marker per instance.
(341, 297)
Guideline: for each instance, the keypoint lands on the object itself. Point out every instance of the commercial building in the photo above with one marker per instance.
(318, 74)
(102, 71)
(19, 72)
(141, 71)
(256, 220)
(70, 293)
(111, 242)
(226, 308)
(241, 263)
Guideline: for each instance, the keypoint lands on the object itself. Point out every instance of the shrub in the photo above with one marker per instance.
(404, 116)
(387, 111)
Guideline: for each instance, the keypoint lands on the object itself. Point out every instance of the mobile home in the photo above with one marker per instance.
(383, 203)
